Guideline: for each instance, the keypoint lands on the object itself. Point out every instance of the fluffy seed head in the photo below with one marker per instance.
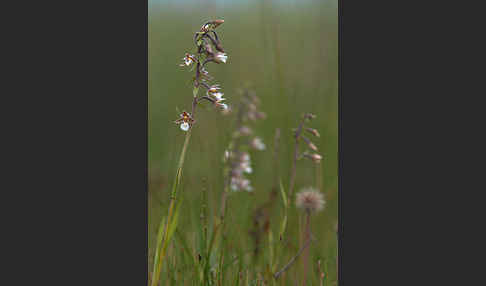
(310, 200)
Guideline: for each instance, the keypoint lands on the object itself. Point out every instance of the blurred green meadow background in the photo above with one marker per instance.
(288, 52)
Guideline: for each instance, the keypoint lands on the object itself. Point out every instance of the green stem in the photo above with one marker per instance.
(181, 163)
(177, 180)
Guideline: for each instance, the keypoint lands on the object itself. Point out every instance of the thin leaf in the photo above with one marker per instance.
(158, 249)
(160, 236)
(270, 246)
(215, 232)
(283, 226)
(185, 246)
(284, 196)
(173, 225)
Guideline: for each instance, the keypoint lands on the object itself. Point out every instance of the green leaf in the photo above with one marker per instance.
(158, 249)
(191, 255)
(270, 247)
(162, 248)
(213, 237)
(173, 224)
(284, 196)
(283, 226)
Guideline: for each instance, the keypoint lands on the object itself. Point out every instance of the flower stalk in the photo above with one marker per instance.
(313, 156)
(236, 157)
(186, 121)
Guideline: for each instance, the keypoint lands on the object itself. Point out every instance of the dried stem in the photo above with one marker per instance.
(215, 43)
(319, 178)
(321, 274)
(276, 275)
(306, 252)
(294, 163)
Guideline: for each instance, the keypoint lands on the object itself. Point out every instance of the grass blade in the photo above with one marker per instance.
(284, 196)
(191, 255)
(160, 236)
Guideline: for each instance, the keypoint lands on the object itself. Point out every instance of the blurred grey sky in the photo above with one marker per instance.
(233, 3)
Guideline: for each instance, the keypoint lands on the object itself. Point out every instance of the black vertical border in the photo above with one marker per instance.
(383, 63)
(81, 148)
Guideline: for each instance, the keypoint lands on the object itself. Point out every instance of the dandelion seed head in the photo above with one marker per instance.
(310, 199)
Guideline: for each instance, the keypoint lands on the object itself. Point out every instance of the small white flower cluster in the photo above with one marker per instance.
(217, 96)
(242, 165)
(243, 131)
(220, 57)
(237, 155)
(185, 120)
(257, 144)
(188, 60)
(298, 134)
(253, 113)
(184, 126)
(209, 49)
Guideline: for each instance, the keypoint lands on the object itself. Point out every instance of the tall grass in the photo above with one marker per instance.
(164, 236)
(289, 53)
